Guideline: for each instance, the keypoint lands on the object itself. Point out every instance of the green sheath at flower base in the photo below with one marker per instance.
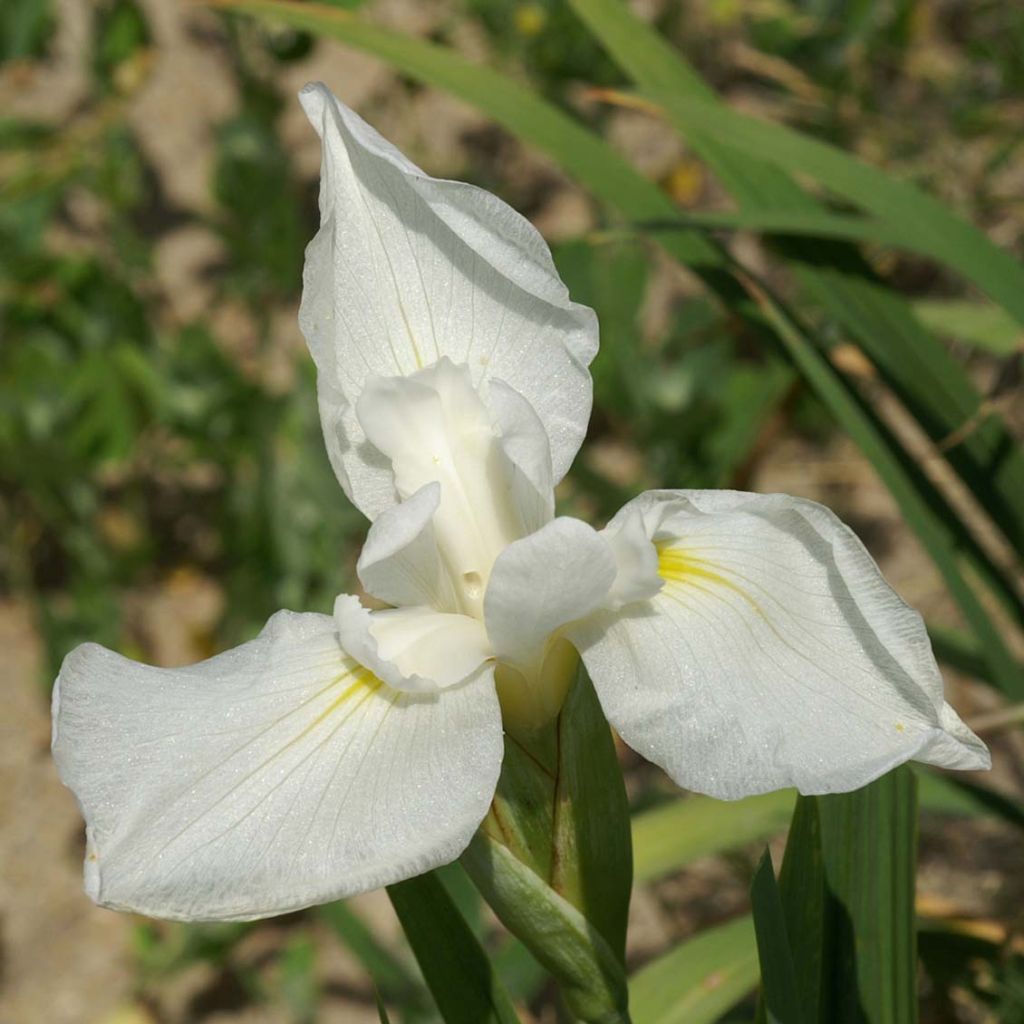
(589, 974)
(742, 642)
(554, 856)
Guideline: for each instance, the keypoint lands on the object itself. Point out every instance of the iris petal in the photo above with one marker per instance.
(775, 655)
(277, 775)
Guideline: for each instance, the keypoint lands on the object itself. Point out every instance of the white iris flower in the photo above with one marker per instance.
(742, 642)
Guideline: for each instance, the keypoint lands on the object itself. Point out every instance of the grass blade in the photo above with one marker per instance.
(942, 235)
(984, 326)
(847, 888)
(593, 859)
(389, 974)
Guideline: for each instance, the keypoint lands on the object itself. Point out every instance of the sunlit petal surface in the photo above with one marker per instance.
(775, 654)
(434, 428)
(556, 575)
(275, 776)
(406, 269)
(418, 650)
(401, 563)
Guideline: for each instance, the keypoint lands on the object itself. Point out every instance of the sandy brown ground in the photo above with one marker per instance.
(64, 960)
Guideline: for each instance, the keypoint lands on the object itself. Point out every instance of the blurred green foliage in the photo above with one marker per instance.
(128, 451)
(25, 27)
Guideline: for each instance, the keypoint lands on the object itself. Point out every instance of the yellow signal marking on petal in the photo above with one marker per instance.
(676, 565)
(900, 727)
(365, 680)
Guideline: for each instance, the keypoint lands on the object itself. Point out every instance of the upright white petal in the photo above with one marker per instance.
(524, 442)
(775, 655)
(400, 562)
(406, 269)
(269, 778)
(434, 427)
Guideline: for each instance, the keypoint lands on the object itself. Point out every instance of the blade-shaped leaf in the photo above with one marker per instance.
(780, 996)
(663, 76)
(389, 974)
(593, 856)
(847, 888)
(803, 890)
(982, 325)
(698, 980)
(461, 979)
(675, 834)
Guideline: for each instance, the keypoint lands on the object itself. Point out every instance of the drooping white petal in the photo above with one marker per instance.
(561, 573)
(400, 562)
(406, 269)
(434, 427)
(775, 655)
(269, 778)
(415, 650)
(524, 441)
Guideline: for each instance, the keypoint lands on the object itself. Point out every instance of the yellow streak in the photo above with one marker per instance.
(677, 566)
(364, 679)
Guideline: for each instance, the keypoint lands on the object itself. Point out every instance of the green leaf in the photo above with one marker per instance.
(695, 112)
(780, 996)
(389, 974)
(979, 324)
(675, 834)
(847, 888)
(461, 979)
(593, 858)
(298, 981)
(811, 220)
(942, 235)
(869, 845)
(953, 794)
(803, 891)
(698, 980)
